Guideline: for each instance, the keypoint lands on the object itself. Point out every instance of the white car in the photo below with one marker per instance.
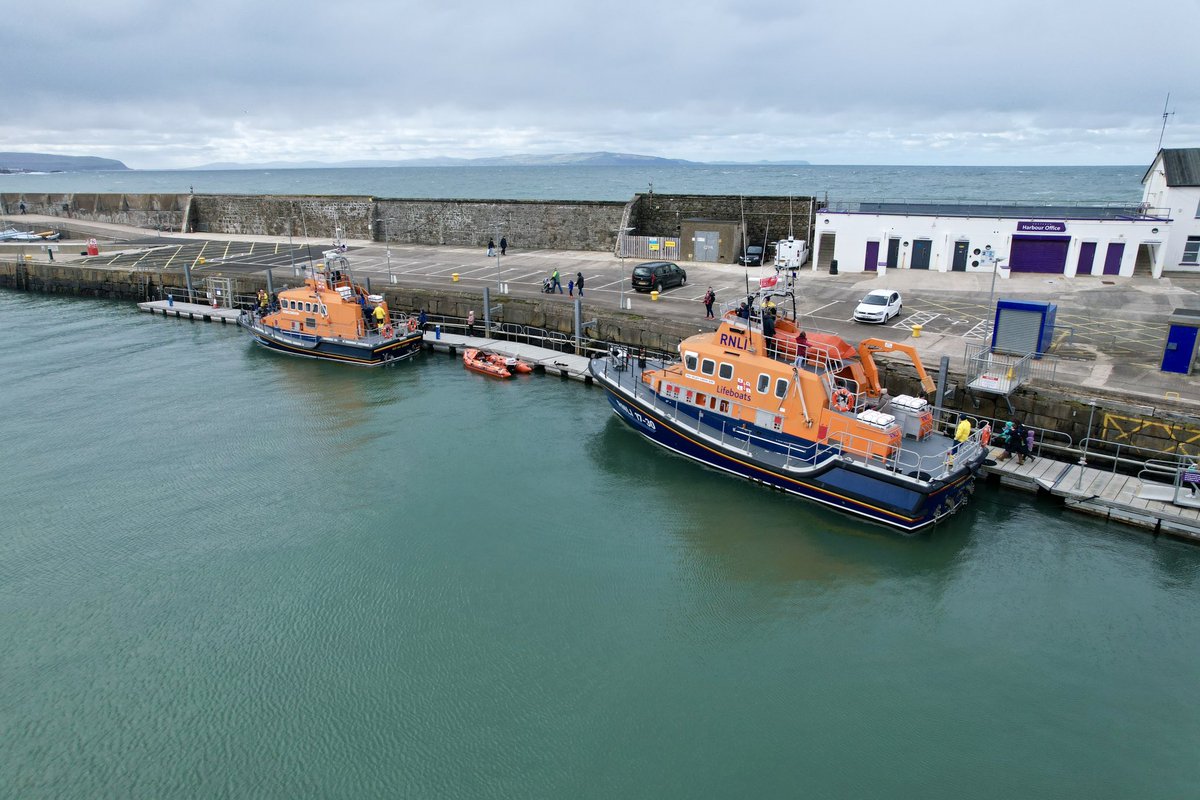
(879, 305)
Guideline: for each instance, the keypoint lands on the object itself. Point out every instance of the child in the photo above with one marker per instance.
(571, 288)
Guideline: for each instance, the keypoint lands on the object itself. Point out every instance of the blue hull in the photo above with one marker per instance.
(360, 354)
(846, 486)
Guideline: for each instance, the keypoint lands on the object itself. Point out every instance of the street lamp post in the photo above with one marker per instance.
(387, 250)
(497, 226)
(621, 256)
(995, 268)
(1086, 435)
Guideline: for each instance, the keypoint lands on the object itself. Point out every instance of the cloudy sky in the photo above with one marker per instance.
(162, 84)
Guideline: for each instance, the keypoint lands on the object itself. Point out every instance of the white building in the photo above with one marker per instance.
(1173, 183)
(1160, 234)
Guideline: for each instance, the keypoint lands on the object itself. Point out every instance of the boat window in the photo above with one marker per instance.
(324, 310)
(724, 406)
(764, 383)
(781, 387)
(708, 366)
(308, 307)
(689, 360)
(726, 371)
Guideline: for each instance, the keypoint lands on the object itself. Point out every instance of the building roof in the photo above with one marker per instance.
(1181, 166)
(1114, 211)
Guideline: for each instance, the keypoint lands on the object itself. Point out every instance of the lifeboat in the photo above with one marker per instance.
(331, 317)
(494, 364)
(800, 411)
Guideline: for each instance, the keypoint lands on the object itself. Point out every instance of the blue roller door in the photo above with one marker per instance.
(1039, 253)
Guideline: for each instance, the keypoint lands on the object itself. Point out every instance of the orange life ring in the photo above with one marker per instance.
(387, 331)
(412, 324)
(842, 399)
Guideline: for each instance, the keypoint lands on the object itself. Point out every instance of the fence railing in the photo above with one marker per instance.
(656, 248)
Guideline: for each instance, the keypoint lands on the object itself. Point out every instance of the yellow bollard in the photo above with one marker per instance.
(654, 295)
(200, 260)
(454, 277)
(916, 331)
(29, 258)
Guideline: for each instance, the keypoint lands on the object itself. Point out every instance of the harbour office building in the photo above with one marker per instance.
(1160, 234)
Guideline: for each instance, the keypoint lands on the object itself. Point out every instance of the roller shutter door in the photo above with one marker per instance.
(1039, 253)
(1016, 331)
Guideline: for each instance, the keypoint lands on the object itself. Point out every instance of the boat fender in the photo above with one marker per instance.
(842, 399)
(412, 324)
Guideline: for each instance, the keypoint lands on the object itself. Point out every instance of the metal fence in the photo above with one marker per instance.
(658, 248)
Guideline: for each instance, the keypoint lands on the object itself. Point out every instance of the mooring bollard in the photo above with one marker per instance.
(437, 331)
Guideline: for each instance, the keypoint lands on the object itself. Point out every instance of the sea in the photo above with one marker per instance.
(1076, 184)
(228, 573)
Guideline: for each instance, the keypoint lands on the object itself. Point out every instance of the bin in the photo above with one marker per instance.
(833, 267)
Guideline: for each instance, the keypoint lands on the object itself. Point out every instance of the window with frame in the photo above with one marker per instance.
(689, 361)
(781, 387)
(1191, 250)
(708, 366)
(726, 371)
(764, 383)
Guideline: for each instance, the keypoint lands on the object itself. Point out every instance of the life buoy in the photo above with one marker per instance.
(842, 399)
(412, 324)
(387, 331)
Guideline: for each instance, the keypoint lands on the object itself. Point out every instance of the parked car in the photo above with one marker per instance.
(657, 275)
(753, 257)
(879, 305)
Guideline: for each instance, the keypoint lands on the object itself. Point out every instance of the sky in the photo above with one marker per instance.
(164, 85)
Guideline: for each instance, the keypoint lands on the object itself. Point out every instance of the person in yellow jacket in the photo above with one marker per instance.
(380, 317)
(961, 434)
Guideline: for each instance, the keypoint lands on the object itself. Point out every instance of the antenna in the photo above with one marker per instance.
(1165, 114)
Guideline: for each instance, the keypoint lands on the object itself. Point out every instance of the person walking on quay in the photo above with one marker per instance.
(555, 283)
(710, 297)
(503, 246)
(22, 206)
(491, 248)
(471, 322)
(579, 282)
(570, 288)
(1014, 444)
(422, 320)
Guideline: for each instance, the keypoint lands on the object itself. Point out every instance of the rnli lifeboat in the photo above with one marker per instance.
(333, 318)
(494, 364)
(801, 411)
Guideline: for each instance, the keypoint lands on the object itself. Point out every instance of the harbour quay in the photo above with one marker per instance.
(1098, 386)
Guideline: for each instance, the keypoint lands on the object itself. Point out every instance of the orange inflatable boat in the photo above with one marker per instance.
(494, 364)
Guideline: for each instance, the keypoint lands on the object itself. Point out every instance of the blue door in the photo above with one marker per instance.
(921, 251)
(1181, 347)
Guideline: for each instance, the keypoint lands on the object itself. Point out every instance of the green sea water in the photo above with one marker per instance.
(230, 573)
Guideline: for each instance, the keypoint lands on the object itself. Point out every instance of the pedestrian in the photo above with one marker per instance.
(503, 245)
(1191, 477)
(422, 320)
(710, 297)
(1015, 443)
(491, 248)
(1029, 442)
(555, 283)
(570, 288)
(579, 282)
(801, 346)
(768, 328)
(961, 434)
(471, 322)
(380, 317)
(22, 206)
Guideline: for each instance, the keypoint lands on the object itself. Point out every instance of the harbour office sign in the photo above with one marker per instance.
(1040, 226)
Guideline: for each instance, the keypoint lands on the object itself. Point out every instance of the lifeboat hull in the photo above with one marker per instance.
(884, 498)
(374, 353)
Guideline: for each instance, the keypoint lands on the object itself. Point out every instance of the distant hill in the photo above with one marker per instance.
(603, 159)
(44, 162)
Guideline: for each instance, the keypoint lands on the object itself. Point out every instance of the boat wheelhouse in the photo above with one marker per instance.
(801, 411)
(333, 318)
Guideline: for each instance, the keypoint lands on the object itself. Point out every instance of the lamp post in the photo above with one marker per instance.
(496, 226)
(387, 250)
(621, 256)
(995, 268)
(1086, 435)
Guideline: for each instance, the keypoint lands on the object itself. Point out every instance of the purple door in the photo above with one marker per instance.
(1112, 259)
(1039, 253)
(1087, 255)
(872, 262)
